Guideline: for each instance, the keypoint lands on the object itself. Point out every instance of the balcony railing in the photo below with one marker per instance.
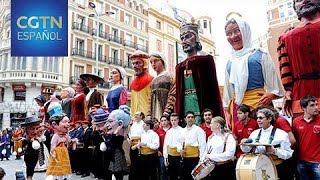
(142, 48)
(80, 27)
(30, 75)
(115, 39)
(82, 53)
(102, 34)
(128, 64)
(88, 54)
(129, 43)
(115, 61)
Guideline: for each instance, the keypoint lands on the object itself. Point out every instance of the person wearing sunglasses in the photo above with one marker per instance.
(278, 142)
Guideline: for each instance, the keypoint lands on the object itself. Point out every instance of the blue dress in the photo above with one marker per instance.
(5, 142)
(113, 97)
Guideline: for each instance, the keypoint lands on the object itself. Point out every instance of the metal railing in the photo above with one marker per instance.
(80, 27)
(129, 43)
(115, 39)
(115, 61)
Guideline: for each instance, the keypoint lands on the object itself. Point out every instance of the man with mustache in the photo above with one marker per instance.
(196, 80)
(299, 57)
(140, 86)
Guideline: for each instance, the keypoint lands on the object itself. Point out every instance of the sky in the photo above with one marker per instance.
(254, 11)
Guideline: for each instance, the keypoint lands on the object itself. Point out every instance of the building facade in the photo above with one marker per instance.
(120, 33)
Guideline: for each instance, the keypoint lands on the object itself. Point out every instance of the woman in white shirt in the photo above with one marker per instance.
(221, 147)
(279, 148)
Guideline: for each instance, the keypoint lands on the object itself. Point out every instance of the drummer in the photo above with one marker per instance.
(221, 147)
(279, 148)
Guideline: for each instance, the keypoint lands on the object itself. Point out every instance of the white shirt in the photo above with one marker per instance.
(215, 147)
(194, 136)
(89, 94)
(151, 139)
(136, 129)
(280, 137)
(173, 139)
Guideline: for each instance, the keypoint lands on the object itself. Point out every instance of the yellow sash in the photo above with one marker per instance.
(147, 151)
(276, 160)
(173, 151)
(191, 151)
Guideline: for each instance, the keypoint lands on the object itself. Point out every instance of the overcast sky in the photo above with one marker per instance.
(254, 11)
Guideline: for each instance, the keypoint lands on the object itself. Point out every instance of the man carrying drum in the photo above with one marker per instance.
(276, 141)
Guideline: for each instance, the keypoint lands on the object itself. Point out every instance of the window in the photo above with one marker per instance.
(114, 56)
(128, 40)
(205, 24)
(99, 7)
(116, 13)
(170, 30)
(78, 70)
(99, 51)
(128, 19)
(286, 10)
(127, 3)
(18, 63)
(170, 64)
(141, 44)
(210, 27)
(128, 82)
(19, 92)
(158, 25)
(80, 2)
(100, 28)
(80, 21)
(140, 24)
(80, 47)
(114, 32)
(50, 64)
(5, 59)
(34, 63)
(159, 45)
(141, 8)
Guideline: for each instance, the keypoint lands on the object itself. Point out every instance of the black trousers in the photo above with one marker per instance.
(149, 166)
(31, 162)
(188, 165)
(225, 171)
(135, 163)
(284, 171)
(174, 167)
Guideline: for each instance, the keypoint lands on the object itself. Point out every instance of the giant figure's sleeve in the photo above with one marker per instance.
(284, 65)
(271, 78)
(171, 97)
(228, 90)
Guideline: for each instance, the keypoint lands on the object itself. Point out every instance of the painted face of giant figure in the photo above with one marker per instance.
(33, 130)
(305, 8)
(114, 126)
(188, 42)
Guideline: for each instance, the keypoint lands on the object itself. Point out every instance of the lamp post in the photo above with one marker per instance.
(97, 15)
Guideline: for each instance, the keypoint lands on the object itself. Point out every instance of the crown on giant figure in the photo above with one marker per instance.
(191, 26)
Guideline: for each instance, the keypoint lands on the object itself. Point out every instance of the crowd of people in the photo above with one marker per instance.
(178, 125)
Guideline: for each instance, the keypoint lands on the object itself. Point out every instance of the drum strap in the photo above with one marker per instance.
(225, 143)
(271, 135)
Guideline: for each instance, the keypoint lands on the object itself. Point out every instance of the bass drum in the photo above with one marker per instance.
(256, 167)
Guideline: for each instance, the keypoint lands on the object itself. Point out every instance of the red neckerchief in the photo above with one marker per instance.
(141, 81)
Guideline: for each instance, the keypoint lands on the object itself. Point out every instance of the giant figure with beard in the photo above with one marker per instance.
(299, 57)
(197, 86)
(111, 127)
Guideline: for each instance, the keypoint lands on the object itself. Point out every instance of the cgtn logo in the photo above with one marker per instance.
(39, 28)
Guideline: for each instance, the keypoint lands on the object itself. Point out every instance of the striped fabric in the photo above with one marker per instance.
(285, 69)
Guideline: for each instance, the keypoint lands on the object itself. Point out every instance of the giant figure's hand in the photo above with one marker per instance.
(287, 104)
(266, 98)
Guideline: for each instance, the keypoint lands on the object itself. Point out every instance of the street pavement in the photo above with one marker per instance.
(11, 166)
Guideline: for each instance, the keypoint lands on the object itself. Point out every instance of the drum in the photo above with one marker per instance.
(256, 167)
(203, 169)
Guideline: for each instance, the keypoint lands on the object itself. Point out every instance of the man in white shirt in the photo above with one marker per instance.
(134, 136)
(193, 146)
(148, 147)
(172, 141)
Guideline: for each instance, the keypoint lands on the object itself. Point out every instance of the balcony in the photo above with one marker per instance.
(88, 54)
(115, 61)
(80, 27)
(128, 64)
(102, 34)
(142, 48)
(115, 39)
(30, 76)
(129, 43)
(5, 43)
